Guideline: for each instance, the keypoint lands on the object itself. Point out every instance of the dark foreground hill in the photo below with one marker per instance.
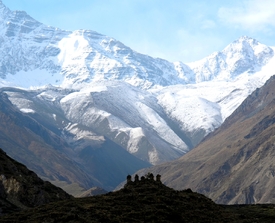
(21, 188)
(145, 200)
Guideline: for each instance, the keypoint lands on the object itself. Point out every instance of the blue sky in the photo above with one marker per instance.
(176, 30)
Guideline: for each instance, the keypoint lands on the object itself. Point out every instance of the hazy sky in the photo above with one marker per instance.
(176, 30)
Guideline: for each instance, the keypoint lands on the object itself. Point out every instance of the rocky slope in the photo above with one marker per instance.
(235, 163)
(21, 188)
(126, 115)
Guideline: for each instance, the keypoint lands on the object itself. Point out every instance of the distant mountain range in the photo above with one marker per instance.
(105, 110)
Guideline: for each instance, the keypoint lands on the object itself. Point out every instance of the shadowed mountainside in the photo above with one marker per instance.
(35, 141)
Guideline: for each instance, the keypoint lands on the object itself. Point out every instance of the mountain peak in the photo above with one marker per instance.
(3, 10)
(16, 22)
(246, 38)
(244, 42)
(244, 55)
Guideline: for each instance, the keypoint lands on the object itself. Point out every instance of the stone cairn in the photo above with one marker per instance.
(148, 176)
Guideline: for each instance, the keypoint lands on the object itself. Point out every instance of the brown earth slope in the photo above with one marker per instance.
(235, 163)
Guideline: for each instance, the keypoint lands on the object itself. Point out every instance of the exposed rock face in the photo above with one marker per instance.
(21, 188)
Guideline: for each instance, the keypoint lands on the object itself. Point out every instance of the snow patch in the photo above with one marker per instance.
(153, 156)
(161, 127)
(136, 134)
(27, 110)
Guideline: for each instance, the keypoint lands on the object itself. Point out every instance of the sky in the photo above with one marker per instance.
(175, 30)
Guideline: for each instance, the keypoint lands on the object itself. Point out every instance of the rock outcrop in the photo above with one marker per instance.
(21, 188)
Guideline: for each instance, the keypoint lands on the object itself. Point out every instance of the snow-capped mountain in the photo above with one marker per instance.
(220, 83)
(93, 87)
(241, 56)
(33, 54)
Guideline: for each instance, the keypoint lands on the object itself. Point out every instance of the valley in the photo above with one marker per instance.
(82, 110)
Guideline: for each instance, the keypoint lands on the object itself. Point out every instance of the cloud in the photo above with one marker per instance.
(252, 15)
(208, 24)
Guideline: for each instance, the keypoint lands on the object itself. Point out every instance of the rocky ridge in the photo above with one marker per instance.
(144, 200)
